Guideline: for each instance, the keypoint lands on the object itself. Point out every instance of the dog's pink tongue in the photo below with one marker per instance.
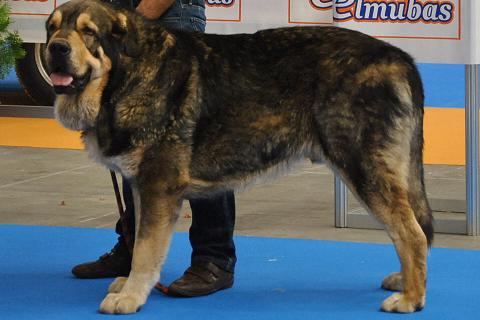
(59, 79)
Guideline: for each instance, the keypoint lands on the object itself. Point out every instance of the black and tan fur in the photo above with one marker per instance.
(183, 115)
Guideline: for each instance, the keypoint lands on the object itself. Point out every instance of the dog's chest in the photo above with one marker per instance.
(125, 163)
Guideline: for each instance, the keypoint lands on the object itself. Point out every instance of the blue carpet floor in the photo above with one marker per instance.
(275, 279)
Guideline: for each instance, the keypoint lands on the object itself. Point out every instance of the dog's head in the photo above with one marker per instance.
(84, 39)
(77, 33)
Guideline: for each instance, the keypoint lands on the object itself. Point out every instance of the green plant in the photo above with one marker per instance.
(10, 43)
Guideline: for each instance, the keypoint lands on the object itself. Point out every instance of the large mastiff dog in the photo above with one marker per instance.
(184, 115)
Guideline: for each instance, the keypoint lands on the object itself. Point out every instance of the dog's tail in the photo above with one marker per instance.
(417, 195)
(418, 200)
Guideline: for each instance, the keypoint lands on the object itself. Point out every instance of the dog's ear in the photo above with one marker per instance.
(124, 30)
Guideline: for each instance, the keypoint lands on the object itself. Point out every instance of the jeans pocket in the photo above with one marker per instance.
(197, 24)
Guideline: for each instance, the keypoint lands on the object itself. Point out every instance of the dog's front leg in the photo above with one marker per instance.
(156, 214)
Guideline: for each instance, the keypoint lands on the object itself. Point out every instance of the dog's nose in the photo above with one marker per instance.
(59, 48)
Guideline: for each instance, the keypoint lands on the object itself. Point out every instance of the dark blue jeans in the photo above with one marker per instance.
(186, 15)
(213, 220)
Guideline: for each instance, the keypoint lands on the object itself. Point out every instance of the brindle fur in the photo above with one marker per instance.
(183, 115)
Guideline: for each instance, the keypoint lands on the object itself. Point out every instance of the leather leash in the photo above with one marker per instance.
(123, 221)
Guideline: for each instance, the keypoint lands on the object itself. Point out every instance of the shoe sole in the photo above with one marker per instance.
(82, 275)
(191, 294)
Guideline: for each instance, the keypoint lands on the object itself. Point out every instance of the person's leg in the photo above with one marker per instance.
(117, 262)
(125, 227)
(213, 256)
(211, 233)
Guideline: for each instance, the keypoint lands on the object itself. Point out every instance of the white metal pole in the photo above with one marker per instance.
(472, 102)
(341, 203)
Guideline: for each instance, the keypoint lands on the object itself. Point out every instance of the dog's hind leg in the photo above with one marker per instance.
(155, 225)
(373, 138)
(419, 203)
(377, 167)
(393, 209)
(386, 197)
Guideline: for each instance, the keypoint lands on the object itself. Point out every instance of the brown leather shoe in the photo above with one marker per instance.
(200, 280)
(116, 263)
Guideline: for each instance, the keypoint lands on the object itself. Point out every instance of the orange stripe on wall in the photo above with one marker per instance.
(39, 133)
(444, 131)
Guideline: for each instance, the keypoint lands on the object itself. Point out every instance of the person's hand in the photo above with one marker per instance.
(153, 9)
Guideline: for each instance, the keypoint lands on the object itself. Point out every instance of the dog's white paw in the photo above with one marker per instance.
(121, 303)
(393, 282)
(397, 302)
(117, 285)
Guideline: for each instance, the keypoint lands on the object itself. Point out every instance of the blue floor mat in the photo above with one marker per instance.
(275, 279)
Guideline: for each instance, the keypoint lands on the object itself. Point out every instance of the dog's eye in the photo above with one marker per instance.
(51, 27)
(88, 31)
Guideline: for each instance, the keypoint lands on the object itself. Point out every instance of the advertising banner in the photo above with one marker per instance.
(442, 31)
(437, 31)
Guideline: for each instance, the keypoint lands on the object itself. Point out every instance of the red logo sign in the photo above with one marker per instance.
(224, 10)
(220, 3)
